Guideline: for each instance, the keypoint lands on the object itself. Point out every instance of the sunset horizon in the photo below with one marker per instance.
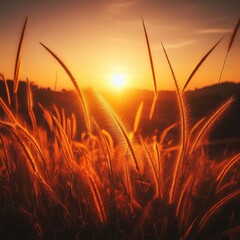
(119, 119)
(97, 41)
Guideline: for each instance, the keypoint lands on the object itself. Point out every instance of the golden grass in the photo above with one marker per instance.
(94, 184)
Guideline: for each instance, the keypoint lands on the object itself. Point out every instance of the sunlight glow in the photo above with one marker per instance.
(118, 80)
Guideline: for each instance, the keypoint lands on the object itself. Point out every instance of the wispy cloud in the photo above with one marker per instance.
(119, 6)
(181, 44)
(213, 30)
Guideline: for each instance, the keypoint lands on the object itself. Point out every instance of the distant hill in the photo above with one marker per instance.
(200, 102)
(224, 89)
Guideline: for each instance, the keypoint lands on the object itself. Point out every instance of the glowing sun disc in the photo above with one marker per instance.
(118, 80)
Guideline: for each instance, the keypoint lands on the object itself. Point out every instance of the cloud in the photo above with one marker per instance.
(213, 30)
(181, 44)
(119, 6)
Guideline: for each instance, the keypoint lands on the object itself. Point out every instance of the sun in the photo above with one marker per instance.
(118, 80)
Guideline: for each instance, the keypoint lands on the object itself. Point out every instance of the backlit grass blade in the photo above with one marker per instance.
(229, 47)
(234, 35)
(152, 167)
(210, 122)
(18, 58)
(124, 134)
(7, 111)
(183, 128)
(150, 58)
(200, 63)
(216, 207)
(138, 117)
(79, 92)
(30, 107)
(227, 167)
(152, 107)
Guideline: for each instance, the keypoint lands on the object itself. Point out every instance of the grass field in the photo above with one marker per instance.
(113, 182)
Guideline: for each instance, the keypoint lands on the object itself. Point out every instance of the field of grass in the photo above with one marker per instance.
(112, 182)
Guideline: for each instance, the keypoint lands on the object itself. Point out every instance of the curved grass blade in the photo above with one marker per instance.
(18, 58)
(124, 134)
(165, 132)
(200, 63)
(150, 58)
(229, 48)
(226, 168)
(79, 92)
(153, 168)
(209, 122)
(183, 120)
(7, 111)
(216, 207)
(97, 200)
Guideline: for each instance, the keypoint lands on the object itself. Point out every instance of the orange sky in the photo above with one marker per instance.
(97, 39)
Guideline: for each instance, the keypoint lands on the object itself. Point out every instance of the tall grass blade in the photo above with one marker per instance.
(153, 71)
(217, 206)
(30, 107)
(227, 167)
(210, 122)
(165, 132)
(150, 58)
(183, 139)
(97, 200)
(234, 35)
(138, 117)
(160, 160)
(108, 158)
(200, 63)
(124, 134)
(153, 168)
(152, 107)
(18, 58)
(7, 111)
(79, 92)
(229, 48)
(6, 158)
